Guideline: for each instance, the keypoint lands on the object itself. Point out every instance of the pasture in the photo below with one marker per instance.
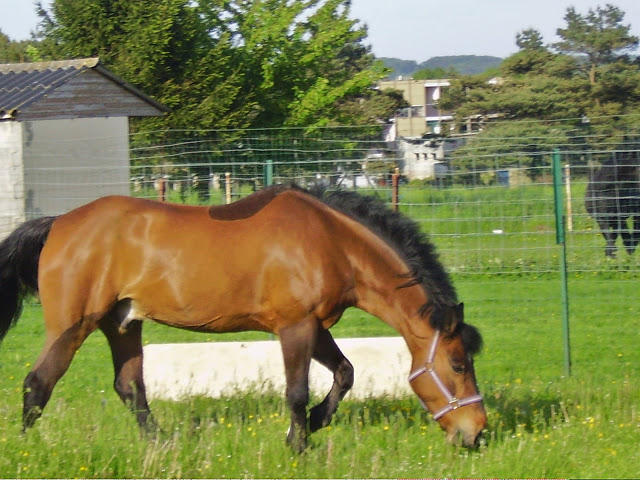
(541, 423)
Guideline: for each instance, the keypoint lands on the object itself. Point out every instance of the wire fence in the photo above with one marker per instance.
(489, 211)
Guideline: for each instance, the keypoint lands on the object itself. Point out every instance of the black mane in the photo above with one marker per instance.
(404, 235)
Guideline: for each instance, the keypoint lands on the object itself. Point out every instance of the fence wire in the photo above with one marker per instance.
(490, 213)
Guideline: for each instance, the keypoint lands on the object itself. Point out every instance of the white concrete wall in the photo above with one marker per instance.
(11, 178)
(176, 371)
(70, 162)
(420, 159)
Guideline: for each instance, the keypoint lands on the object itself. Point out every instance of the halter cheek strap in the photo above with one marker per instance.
(452, 402)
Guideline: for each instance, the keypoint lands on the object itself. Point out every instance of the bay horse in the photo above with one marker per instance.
(281, 260)
(612, 199)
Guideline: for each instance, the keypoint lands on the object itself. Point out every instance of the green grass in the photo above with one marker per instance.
(542, 424)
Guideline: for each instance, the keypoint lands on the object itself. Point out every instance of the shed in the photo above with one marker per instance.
(64, 136)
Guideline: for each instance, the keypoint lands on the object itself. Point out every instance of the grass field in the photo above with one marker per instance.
(541, 423)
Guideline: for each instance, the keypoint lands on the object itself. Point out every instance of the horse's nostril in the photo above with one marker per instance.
(481, 440)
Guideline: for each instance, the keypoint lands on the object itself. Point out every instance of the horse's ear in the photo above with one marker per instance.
(454, 316)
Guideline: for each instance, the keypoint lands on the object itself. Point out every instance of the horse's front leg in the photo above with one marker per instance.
(328, 354)
(633, 237)
(297, 343)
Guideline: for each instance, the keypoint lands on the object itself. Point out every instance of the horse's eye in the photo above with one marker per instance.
(458, 368)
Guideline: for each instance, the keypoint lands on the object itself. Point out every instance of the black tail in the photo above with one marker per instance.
(19, 257)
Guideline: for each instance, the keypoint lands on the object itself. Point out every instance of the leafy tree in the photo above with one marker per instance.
(506, 144)
(161, 47)
(538, 83)
(599, 35)
(619, 83)
(533, 56)
(587, 74)
(15, 52)
(302, 60)
(530, 39)
(372, 108)
(225, 64)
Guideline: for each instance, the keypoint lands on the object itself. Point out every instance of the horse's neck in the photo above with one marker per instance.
(379, 272)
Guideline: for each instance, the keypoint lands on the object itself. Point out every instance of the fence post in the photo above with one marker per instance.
(161, 186)
(395, 189)
(227, 187)
(560, 239)
(567, 179)
(268, 173)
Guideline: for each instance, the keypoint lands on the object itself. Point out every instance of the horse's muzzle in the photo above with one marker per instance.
(471, 437)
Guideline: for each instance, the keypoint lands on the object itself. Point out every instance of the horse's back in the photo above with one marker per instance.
(261, 217)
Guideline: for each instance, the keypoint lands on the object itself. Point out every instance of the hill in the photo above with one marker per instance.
(463, 64)
(399, 67)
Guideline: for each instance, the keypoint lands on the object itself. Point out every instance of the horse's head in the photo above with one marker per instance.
(444, 378)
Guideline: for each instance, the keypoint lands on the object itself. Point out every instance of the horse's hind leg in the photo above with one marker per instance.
(126, 350)
(609, 229)
(328, 354)
(635, 232)
(53, 362)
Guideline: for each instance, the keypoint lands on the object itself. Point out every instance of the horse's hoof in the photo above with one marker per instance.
(297, 444)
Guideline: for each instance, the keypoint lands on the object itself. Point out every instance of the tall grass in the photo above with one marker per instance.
(541, 424)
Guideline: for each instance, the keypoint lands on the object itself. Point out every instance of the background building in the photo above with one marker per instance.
(64, 136)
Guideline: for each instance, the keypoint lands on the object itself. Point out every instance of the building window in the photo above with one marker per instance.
(403, 112)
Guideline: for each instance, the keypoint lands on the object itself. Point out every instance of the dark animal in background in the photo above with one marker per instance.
(613, 200)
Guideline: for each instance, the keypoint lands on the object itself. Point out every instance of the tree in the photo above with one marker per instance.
(162, 47)
(373, 107)
(538, 83)
(586, 74)
(15, 52)
(301, 60)
(221, 63)
(599, 35)
(530, 39)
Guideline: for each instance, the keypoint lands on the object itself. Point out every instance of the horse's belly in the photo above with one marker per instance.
(189, 317)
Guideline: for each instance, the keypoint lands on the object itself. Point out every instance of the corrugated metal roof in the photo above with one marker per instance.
(22, 84)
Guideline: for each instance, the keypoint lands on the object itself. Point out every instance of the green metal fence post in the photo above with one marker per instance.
(268, 173)
(560, 239)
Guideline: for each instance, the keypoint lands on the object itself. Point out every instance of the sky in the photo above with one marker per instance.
(419, 29)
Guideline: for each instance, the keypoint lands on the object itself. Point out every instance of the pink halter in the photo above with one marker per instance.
(453, 402)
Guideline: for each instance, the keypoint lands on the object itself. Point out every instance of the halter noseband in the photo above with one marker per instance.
(429, 367)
